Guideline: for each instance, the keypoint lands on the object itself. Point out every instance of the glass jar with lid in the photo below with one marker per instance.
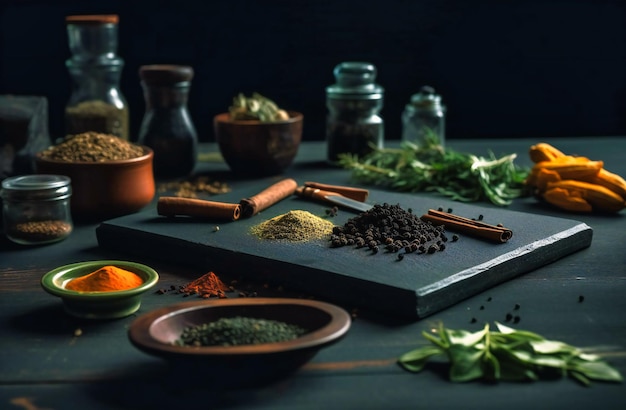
(35, 208)
(354, 103)
(167, 127)
(423, 119)
(96, 102)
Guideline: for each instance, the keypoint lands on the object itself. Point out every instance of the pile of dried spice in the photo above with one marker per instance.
(206, 286)
(239, 330)
(294, 226)
(191, 188)
(92, 147)
(393, 228)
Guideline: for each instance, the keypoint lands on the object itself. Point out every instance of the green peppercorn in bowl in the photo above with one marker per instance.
(291, 331)
(98, 304)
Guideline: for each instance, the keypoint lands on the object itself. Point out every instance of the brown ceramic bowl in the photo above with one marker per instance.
(155, 333)
(252, 147)
(105, 189)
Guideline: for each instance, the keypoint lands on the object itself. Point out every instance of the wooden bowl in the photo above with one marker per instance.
(252, 147)
(155, 332)
(105, 189)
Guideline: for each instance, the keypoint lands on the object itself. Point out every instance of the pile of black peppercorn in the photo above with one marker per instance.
(391, 228)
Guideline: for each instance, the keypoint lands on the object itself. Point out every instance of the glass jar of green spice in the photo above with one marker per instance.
(35, 208)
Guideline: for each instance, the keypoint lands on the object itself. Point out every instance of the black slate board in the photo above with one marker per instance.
(415, 287)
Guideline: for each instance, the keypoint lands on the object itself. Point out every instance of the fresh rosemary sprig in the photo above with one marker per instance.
(432, 168)
(507, 354)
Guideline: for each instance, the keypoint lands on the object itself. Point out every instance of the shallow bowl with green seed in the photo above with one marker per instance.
(159, 333)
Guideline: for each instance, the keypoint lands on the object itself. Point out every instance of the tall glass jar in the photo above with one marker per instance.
(35, 208)
(353, 123)
(167, 127)
(96, 102)
(423, 118)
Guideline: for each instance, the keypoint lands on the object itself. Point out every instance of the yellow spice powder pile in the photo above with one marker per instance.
(294, 226)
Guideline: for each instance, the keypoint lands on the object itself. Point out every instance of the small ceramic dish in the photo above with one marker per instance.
(98, 305)
(155, 333)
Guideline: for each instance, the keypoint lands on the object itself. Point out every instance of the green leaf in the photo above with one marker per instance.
(466, 363)
(415, 360)
(508, 354)
(598, 370)
(552, 347)
(463, 337)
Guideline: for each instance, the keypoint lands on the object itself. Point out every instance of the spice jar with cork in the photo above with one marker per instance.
(423, 119)
(96, 102)
(167, 127)
(354, 103)
(36, 208)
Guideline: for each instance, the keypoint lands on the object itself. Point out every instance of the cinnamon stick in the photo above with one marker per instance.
(468, 226)
(358, 194)
(199, 208)
(268, 197)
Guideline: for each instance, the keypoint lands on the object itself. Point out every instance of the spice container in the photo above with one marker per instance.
(96, 102)
(423, 118)
(354, 102)
(167, 127)
(36, 208)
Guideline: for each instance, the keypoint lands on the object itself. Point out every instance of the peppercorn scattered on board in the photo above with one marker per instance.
(574, 183)
(416, 285)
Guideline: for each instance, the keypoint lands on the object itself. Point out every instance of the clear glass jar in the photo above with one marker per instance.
(96, 102)
(36, 208)
(423, 118)
(167, 127)
(353, 123)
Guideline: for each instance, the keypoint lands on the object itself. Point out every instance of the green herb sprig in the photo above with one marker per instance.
(507, 354)
(432, 168)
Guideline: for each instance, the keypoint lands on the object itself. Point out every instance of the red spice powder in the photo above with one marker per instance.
(206, 286)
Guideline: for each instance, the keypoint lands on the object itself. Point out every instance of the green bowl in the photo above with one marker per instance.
(98, 305)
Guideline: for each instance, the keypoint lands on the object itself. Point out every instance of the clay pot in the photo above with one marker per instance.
(102, 190)
(252, 147)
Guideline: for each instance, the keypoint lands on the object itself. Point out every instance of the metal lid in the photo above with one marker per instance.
(355, 80)
(426, 98)
(36, 187)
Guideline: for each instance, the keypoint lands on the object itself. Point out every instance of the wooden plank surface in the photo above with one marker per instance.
(416, 286)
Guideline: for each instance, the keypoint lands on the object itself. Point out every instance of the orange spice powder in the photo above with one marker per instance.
(106, 279)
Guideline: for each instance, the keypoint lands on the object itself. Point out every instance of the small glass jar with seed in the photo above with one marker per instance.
(36, 208)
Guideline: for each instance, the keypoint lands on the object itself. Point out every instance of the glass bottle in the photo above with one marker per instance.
(423, 118)
(354, 102)
(96, 102)
(36, 208)
(167, 127)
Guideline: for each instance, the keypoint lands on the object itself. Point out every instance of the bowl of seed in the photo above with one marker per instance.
(110, 176)
(256, 137)
(242, 341)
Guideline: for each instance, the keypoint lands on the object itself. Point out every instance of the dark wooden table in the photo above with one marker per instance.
(44, 364)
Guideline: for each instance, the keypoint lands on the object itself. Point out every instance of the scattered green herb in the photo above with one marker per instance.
(256, 107)
(238, 330)
(507, 354)
(432, 168)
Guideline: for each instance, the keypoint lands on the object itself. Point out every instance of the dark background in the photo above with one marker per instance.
(530, 68)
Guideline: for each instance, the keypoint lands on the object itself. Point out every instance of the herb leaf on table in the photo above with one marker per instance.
(507, 354)
(432, 168)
